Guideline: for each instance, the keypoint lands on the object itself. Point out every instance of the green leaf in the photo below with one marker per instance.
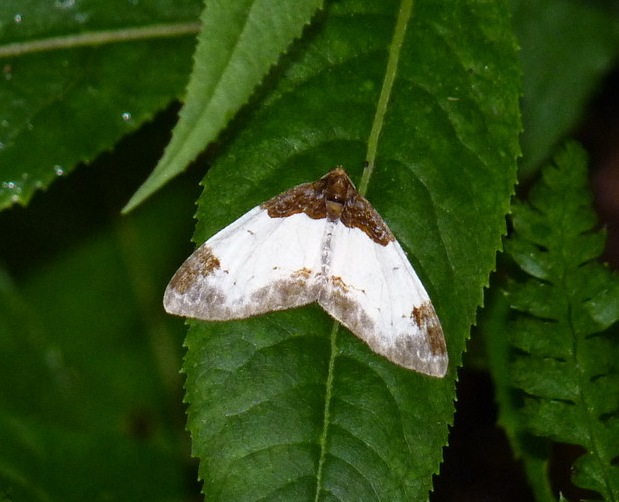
(532, 451)
(42, 462)
(284, 406)
(77, 76)
(89, 361)
(579, 43)
(564, 358)
(238, 44)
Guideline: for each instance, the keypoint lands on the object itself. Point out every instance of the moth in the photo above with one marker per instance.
(317, 242)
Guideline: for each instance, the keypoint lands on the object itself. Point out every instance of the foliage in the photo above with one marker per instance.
(349, 422)
(285, 406)
(80, 75)
(564, 359)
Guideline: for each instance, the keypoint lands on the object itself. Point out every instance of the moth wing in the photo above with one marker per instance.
(255, 265)
(373, 290)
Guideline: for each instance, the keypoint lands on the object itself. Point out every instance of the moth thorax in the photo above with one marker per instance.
(334, 210)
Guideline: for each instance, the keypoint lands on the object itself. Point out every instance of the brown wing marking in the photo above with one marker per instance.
(425, 317)
(333, 196)
(201, 263)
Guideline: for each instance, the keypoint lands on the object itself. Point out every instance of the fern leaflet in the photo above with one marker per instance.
(565, 353)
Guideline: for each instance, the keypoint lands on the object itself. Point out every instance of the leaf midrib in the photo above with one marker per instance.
(404, 14)
(395, 48)
(89, 39)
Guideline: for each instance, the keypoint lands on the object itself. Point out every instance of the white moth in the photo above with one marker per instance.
(318, 242)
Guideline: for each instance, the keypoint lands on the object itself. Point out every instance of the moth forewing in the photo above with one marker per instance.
(317, 242)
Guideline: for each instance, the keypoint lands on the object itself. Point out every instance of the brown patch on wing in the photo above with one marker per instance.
(425, 317)
(339, 283)
(344, 309)
(359, 213)
(282, 295)
(201, 263)
(304, 272)
(308, 198)
(335, 197)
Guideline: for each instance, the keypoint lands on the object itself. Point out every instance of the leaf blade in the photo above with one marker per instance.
(320, 114)
(236, 48)
(70, 86)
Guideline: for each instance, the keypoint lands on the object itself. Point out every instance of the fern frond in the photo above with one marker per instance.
(565, 359)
